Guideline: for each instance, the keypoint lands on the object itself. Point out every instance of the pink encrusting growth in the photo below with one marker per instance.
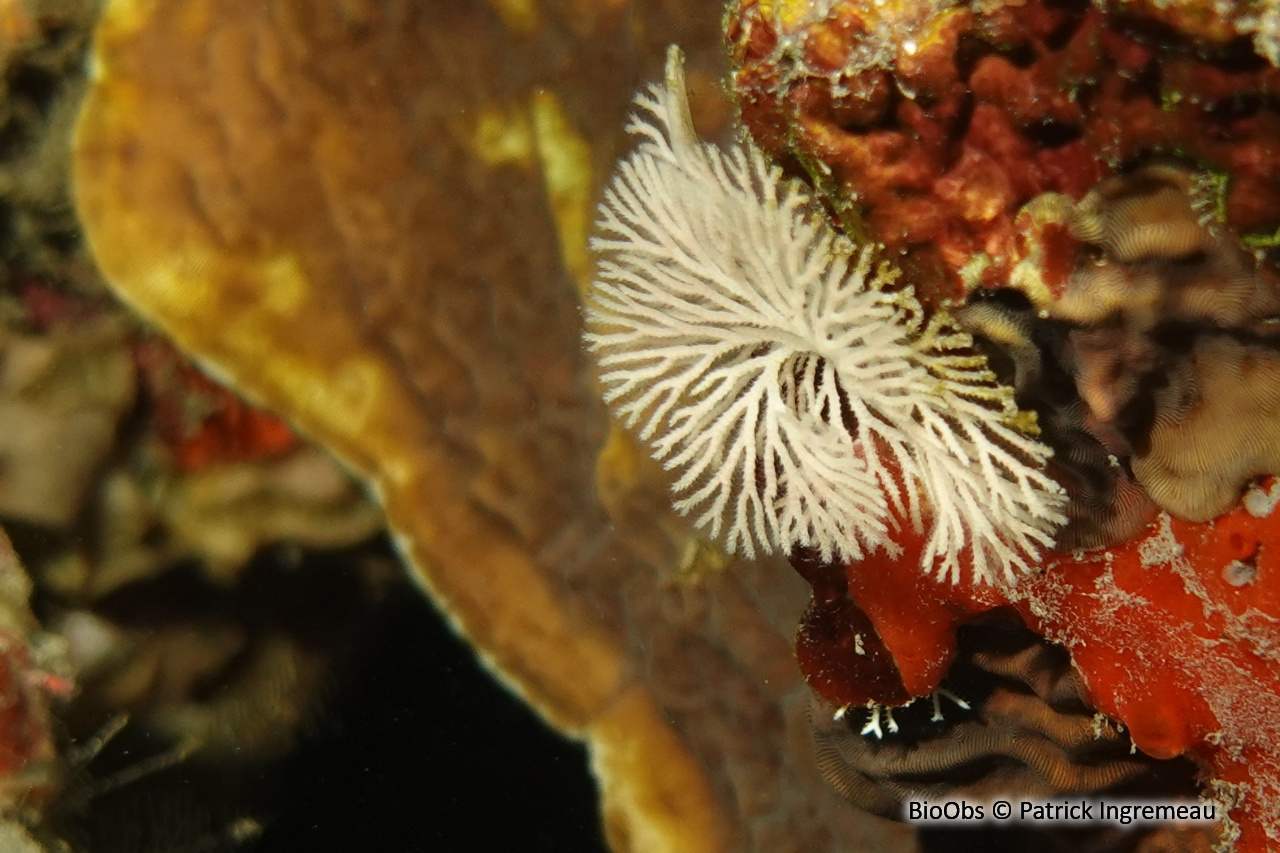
(797, 390)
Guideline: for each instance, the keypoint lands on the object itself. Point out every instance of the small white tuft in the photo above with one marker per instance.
(801, 400)
(1263, 22)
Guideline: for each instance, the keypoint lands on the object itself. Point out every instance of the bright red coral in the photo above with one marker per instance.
(1177, 635)
(202, 422)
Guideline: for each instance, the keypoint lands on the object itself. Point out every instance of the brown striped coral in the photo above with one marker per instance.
(1156, 351)
(1164, 258)
(1173, 341)
(1215, 429)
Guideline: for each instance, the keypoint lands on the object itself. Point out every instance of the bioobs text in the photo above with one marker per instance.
(1061, 811)
(923, 811)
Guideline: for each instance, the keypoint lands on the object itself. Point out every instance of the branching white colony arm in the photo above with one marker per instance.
(801, 399)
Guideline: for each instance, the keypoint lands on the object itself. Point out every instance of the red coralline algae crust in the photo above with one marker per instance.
(201, 422)
(1177, 635)
(940, 122)
(26, 742)
(46, 306)
(28, 759)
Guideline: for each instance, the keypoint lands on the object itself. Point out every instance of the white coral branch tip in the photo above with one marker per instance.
(772, 366)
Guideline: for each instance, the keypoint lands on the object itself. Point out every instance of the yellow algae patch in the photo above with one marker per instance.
(131, 15)
(623, 462)
(699, 561)
(504, 137)
(284, 284)
(187, 283)
(791, 13)
(522, 17)
(569, 175)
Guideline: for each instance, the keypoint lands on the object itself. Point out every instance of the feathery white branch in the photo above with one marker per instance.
(800, 398)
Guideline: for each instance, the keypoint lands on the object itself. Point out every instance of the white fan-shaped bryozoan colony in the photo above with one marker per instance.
(801, 399)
